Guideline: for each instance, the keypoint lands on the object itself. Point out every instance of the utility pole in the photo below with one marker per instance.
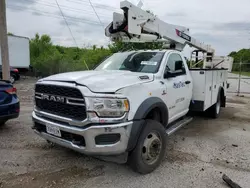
(4, 42)
(238, 93)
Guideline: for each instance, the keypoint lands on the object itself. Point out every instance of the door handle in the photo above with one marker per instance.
(187, 82)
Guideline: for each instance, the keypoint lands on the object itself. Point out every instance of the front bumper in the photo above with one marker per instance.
(90, 140)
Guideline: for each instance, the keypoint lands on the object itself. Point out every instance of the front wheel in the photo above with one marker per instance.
(150, 149)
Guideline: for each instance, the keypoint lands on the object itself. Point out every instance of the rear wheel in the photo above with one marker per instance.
(150, 149)
(12, 79)
(214, 111)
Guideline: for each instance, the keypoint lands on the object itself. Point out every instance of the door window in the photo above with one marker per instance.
(175, 64)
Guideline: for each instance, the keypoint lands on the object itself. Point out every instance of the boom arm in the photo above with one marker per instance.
(137, 25)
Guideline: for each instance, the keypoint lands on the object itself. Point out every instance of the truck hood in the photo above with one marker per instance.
(103, 81)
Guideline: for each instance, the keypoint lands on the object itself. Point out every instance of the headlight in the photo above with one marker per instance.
(108, 107)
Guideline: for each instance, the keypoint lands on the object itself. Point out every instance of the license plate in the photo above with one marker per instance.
(51, 129)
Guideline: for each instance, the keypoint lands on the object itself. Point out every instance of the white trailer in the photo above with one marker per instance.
(19, 52)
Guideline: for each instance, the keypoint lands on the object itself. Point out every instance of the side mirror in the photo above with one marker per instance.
(169, 74)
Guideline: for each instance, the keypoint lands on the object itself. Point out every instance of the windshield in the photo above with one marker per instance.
(146, 62)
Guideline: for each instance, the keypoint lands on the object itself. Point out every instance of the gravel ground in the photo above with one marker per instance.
(198, 155)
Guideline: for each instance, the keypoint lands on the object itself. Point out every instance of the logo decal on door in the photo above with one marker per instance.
(179, 85)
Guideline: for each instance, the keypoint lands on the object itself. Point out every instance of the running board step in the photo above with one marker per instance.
(179, 124)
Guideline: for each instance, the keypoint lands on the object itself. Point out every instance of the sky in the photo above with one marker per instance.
(224, 24)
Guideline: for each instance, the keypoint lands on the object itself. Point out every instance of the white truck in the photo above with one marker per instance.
(125, 108)
(19, 52)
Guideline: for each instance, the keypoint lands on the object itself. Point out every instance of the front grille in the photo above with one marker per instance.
(59, 90)
(64, 109)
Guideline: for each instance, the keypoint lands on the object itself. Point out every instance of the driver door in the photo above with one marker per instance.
(178, 90)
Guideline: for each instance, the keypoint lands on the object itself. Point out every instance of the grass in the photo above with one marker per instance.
(242, 73)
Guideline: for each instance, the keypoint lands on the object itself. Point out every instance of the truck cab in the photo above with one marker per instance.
(166, 76)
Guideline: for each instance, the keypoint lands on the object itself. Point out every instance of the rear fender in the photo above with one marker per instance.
(221, 93)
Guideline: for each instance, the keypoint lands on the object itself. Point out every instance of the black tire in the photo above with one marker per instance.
(51, 144)
(214, 111)
(137, 159)
(2, 123)
(12, 79)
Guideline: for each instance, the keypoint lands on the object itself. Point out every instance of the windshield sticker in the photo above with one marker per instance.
(154, 63)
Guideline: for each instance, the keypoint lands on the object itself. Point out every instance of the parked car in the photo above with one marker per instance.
(14, 74)
(9, 102)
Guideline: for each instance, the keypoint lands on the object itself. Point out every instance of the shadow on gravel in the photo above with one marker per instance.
(55, 179)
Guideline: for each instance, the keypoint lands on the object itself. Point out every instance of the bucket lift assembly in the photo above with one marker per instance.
(137, 25)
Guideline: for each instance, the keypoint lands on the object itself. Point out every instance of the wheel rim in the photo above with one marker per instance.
(12, 79)
(218, 107)
(151, 148)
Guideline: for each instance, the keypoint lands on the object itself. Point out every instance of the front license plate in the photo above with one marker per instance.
(51, 129)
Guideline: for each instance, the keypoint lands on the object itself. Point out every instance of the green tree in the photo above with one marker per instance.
(120, 46)
(243, 56)
(10, 34)
(48, 59)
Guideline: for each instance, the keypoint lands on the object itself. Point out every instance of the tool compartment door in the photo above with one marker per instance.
(202, 89)
(208, 89)
(219, 81)
(217, 76)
